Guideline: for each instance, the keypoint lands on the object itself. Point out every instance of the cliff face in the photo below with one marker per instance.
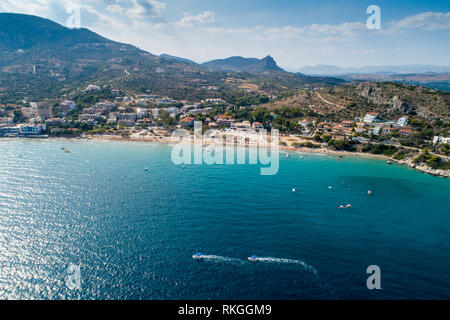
(400, 99)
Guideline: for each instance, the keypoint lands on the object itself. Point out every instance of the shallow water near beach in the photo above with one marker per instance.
(133, 232)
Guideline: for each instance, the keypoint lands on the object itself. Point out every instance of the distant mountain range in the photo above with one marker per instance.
(236, 64)
(387, 69)
(430, 76)
(241, 64)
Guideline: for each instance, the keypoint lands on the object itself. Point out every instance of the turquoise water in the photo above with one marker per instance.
(133, 232)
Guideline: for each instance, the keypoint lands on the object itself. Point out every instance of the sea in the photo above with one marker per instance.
(119, 220)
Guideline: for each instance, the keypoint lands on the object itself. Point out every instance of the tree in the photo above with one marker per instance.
(165, 119)
(262, 115)
(18, 117)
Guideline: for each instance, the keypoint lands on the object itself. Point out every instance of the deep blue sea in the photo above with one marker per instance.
(133, 232)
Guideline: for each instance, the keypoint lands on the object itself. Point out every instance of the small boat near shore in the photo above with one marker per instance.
(253, 258)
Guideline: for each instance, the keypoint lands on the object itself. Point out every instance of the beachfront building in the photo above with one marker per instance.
(223, 120)
(53, 122)
(28, 112)
(6, 120)
(9, 130)
(187, 122)
(258, 125)
(43, 111)
(371, 117)
(32, 129)
(244, 126)
(403, 121)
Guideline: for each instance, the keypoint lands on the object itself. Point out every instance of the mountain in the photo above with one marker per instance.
(42, 59)
(24, 32)
(167, 56)
(388, 69)
(241, 64)
(351, 101)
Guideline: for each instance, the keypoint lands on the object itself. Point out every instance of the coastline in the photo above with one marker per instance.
(166, 140)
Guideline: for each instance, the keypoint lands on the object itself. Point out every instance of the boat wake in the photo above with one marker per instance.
(219, 259)
(287, 261)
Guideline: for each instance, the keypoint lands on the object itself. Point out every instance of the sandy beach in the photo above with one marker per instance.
(168, 140)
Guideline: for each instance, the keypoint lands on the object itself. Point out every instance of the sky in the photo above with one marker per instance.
(296, 33)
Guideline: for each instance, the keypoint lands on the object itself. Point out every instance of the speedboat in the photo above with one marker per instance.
(198, 256)
(253, 258)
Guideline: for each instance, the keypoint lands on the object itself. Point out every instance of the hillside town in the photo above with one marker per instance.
(111, 114)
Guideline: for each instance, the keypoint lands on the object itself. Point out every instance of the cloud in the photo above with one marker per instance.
(160, 26)
(189, 21)
(146, 8)
(314, 32)
(115, 9)
(427, 21)
(221, 30)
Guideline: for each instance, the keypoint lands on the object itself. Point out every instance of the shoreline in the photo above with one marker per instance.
(165, 140)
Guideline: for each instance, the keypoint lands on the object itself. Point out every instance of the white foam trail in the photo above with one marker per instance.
(288, 261)
(220, 259)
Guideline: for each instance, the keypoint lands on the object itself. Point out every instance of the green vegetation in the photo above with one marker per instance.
(344, 145)
(18, 117)
(401, 155)
(97, 131)
(433, 161)
(243, 99)
(306, 145)
(386, 150)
